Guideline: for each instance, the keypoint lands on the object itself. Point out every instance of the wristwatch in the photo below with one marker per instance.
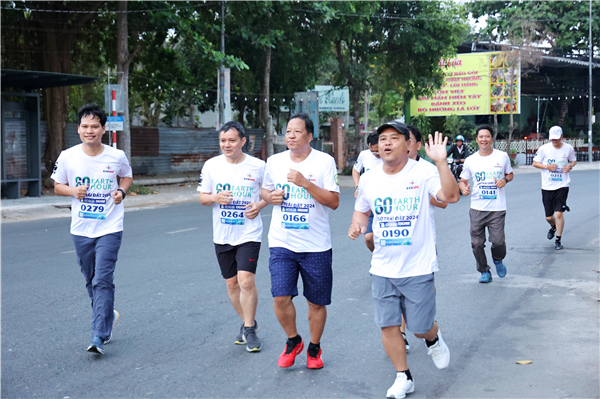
(504, 178)
(355, 187)
(123, 192)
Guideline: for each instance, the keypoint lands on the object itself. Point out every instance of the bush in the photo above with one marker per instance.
(138, 189)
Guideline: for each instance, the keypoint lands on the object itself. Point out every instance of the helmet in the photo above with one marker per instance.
(460, 138)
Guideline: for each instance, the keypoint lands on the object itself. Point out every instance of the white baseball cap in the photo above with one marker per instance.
(555, 133)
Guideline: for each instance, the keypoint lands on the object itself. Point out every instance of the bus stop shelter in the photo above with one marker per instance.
(21, 149)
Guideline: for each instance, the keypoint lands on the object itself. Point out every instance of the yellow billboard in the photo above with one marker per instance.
(475, 84)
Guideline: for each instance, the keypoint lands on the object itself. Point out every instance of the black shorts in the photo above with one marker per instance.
(555, 200)
(239, 257)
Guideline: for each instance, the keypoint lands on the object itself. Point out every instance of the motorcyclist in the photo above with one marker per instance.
(459, 153)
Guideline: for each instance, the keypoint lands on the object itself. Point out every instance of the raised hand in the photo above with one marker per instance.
(436, 148)
(223, 198)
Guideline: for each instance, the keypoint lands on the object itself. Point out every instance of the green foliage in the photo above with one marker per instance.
(140, 190)
(423, 123)
(456, 125)
(563, 24)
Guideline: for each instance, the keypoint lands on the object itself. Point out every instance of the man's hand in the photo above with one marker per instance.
(500, 183)
(356, 230)
(297, 178)
(277, 197)
(117, 197)
(80, 192)
(223, 198)
(552, 167)
(252, 210)
(436, 148)
(567, 168)
(355, 192)
(466, 189)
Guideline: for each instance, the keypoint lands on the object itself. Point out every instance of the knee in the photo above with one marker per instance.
(316, 308)
(369, 239)
(232, 284)
(282, 301)
(246, 283)
(558, 215)
(477, 243)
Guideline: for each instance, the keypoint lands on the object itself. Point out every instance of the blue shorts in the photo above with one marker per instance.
(370, 225)
(315, 268)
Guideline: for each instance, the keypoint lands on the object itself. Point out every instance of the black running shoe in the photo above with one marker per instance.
(558, 245)
(551, 232)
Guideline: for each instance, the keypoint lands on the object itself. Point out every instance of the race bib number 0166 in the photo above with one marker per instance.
(295, 218)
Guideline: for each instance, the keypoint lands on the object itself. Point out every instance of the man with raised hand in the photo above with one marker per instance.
(302, 185)
(367, 159)
(404, 260)
(556, 159)
(230, 183)
(491, 171)
(88, 172)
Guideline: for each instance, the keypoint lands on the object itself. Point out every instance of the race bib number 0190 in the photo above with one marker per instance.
(395, 233)
(232, 214)
(295, 218)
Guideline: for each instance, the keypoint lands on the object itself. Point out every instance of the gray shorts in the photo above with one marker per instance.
(412, 296)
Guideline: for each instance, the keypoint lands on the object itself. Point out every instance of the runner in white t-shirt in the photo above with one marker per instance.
(88, 172)
(230, 183)
(490, 170)
(556, 159)
(367, 159)
(302, 185)
(404, 259)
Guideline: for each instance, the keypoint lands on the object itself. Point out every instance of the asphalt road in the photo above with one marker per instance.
(177, 328)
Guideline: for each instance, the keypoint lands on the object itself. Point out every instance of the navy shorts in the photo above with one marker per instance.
(237, 257)
(370, 225)
(315, 268)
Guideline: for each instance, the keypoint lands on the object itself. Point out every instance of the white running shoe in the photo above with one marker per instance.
(401, 387)
(439, 352)
(115, 319)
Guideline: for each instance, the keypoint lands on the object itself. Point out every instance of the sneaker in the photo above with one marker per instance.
(401, 387)
(551, 232)
(239, 340)
(439, 352)
(406, 342)
(115, 319)
(558, 245)
(500, 268)
(96, 346)
(314, 362)
(288, 356)
(486, 277)
(251, 340)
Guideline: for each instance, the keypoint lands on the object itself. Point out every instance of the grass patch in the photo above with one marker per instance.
(138, 189)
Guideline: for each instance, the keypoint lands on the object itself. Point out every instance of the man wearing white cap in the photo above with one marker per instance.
(556, 159)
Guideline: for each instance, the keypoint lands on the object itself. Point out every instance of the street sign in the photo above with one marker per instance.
(114, 123)
(108, 108)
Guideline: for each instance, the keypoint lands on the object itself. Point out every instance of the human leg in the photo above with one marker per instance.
(394, 346)
(247, 261)
(560, 223)
(477, 231)
(369, 234)
(496, 223)
(228, 265)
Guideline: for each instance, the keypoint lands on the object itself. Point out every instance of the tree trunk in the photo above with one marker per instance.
(265, 121)
(365, 146)
(495, 126)
(124, 137)
(356, 115)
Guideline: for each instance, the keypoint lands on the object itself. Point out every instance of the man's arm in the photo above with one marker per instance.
(124, 184)
(274, 197)
(223, 198)
(437, 203)
(506, 179)
(360, 221)
(324, 197)
(66, 190)
(355, 178)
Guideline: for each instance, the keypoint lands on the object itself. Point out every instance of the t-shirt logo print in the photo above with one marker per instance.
(249, 177)
(310, 178)
(412, 186)
(108, 169)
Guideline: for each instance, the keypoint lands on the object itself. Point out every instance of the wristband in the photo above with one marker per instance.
(505, 179)
(123, 192)
(356, 187)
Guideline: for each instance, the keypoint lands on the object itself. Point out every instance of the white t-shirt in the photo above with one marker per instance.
(562, 156)
(230, 225)
(300, 223)
(367, 160)
(485, 196)
(431, 207)
(402, 228)
(96, 215)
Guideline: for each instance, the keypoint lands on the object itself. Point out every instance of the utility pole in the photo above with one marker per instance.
(590, 92)
(222, 71)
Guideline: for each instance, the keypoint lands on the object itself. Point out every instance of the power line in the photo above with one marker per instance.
(205, 4)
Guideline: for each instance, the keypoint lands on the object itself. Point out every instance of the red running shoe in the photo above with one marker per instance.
(314, 362)
(288, 357)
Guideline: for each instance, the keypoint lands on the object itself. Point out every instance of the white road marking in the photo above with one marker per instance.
(181, 231)
(68, 252)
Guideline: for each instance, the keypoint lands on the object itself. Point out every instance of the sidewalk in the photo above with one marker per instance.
(173, 189)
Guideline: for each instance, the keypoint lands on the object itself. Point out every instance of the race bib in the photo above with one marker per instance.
(488, 191)
(93, 210)
(556, 176)
(295, 218)
(397, 232)
(232, 214)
